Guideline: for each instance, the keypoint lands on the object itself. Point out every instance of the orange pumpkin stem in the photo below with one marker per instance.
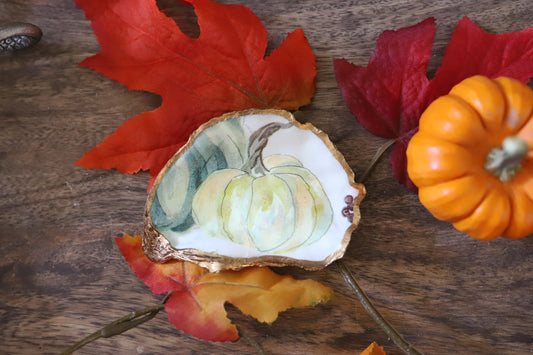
(505, 161)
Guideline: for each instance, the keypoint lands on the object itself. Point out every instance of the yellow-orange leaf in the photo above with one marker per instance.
(374, 349)
(197, 302)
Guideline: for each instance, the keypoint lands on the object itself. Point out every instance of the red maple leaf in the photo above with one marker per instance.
(388, 96)
(196, 305)
(224, 69)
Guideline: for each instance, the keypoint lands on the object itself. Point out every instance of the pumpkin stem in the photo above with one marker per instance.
(258, 141)
(504, 162)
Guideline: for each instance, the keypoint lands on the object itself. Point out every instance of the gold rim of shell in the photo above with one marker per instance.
(158, 248)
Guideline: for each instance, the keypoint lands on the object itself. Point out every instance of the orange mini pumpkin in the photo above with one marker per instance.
(472, 158)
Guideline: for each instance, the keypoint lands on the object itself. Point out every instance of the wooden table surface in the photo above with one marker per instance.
(62, 276)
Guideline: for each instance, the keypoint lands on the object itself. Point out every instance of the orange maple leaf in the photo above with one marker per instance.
(223, 70)
(196, 305)
(374, 349)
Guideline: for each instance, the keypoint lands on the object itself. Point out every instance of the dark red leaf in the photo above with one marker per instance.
(473, 51)
(388, 96)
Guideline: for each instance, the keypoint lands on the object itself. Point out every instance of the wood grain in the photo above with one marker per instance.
(62, 276)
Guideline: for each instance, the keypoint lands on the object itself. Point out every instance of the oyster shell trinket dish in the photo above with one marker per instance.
(253, 188)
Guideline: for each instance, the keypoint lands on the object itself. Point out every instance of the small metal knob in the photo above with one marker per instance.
(18, 35)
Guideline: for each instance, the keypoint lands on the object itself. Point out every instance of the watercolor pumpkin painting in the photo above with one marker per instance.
(253, 188)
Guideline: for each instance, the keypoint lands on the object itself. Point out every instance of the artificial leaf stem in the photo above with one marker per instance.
(381, 150)
(120, 325)
(374, 313)
(136, 318)
(350, 280)
(251, 341)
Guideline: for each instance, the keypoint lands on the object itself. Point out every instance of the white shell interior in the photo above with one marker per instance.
(315, 156)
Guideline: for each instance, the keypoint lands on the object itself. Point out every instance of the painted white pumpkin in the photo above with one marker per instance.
(278, 210)
(265, 190)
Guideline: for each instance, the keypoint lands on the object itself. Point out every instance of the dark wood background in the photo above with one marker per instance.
(62, 276)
